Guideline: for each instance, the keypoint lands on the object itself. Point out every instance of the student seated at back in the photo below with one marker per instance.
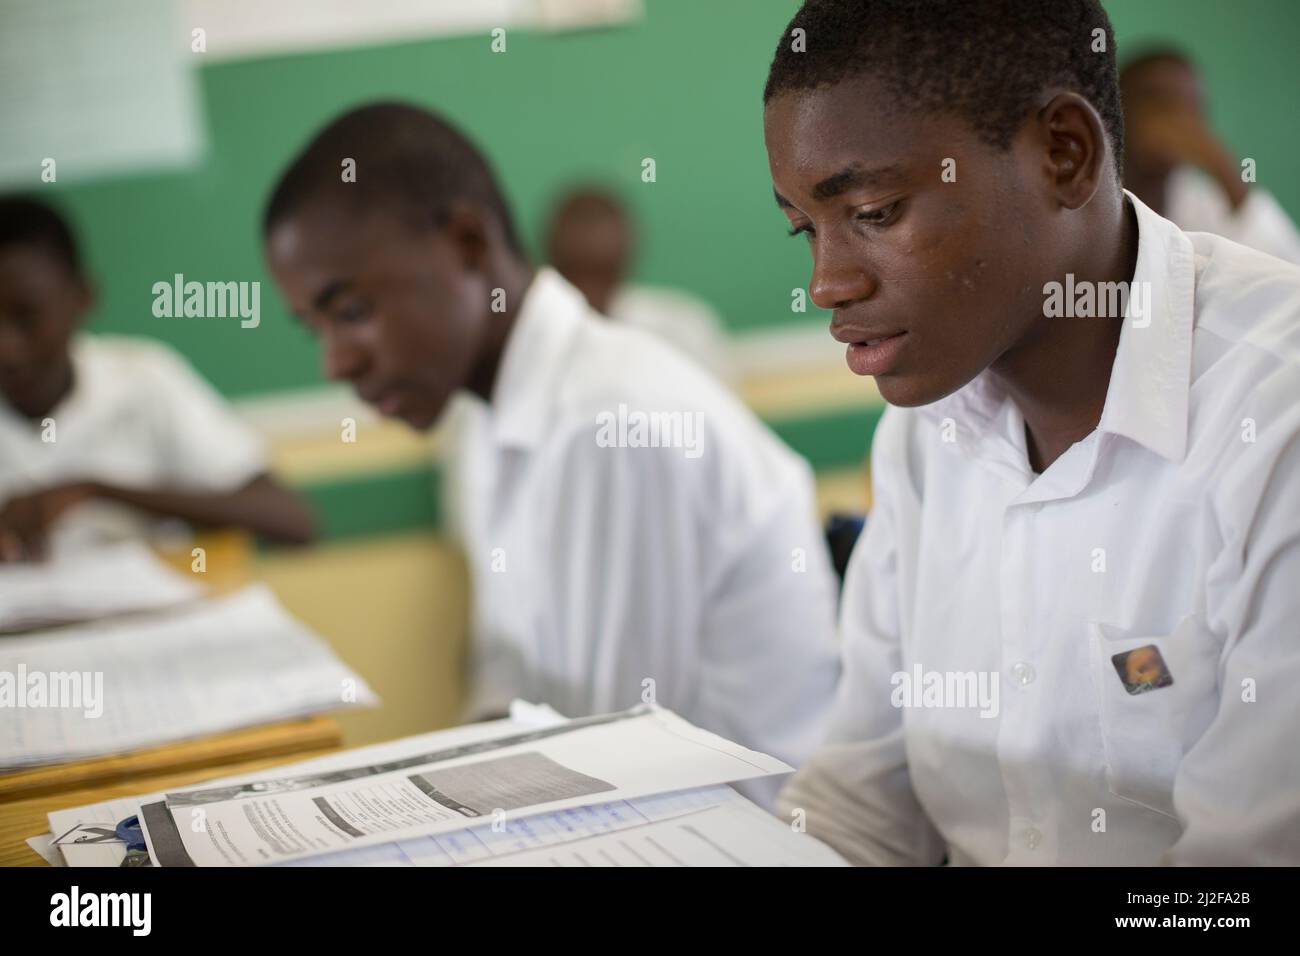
(613, 560)
(1070, 627)
(591, 241)
(1176, 164)
(101, 437)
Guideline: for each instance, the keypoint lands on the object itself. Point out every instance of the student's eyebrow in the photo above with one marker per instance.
(851, 177)
(854, 177)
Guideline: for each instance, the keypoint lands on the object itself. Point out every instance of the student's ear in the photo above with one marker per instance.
(470, 233)
(76, 299)
(87, 296)
(1075, 142)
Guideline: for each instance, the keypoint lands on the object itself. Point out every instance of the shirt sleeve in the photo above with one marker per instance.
(770, 659)
(1237, 789)
(856, 792)
(617, 536)
(202, 444)
(659, 574)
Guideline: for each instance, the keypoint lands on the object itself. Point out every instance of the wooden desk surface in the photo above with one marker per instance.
(27, 796)
(31, 794)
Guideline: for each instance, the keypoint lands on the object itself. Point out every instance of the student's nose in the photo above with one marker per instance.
(840, 276)
(343, 358)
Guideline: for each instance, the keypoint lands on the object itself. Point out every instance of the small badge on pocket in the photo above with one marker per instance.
(1142, 669)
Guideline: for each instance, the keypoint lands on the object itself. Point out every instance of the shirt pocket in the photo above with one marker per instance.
(1147, 729)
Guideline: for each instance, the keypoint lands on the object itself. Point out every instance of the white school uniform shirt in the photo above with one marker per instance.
(1197, 204)
(596, 569)
(1176, 523)
(138, 416)
(681, 319)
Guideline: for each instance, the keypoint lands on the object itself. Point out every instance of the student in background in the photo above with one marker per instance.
(1176, 164)
(1070, 625)
(590, 242)
(101, 436)
(607, 568)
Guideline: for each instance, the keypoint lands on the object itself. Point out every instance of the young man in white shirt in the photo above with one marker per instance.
(103, 436)
(633, 532)
(1176, 164)
(1070, 628)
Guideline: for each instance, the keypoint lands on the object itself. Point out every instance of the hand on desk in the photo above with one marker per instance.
(262, 506)
(25, 521)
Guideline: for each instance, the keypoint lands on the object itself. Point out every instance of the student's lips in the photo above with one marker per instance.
(875, 356)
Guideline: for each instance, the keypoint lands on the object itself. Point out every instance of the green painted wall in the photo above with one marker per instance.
(683, 86)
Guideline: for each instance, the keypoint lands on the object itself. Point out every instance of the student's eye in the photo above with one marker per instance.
(353, 312)
(805, 230)
(879, 217)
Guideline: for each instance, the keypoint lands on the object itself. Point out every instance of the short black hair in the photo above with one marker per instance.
(985, 61)
(408, 160)
(30, 222)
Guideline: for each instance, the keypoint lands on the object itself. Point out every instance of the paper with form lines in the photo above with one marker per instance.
(128, 683)
(738, 834)
(95, 583)
(422, 792)
(543, 832)
(107, 813)
(734, 832)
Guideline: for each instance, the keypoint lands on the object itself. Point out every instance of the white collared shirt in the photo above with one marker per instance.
(1196, 203)
(1176, 524)
(139, 417)
(598, 569)
(687, 323)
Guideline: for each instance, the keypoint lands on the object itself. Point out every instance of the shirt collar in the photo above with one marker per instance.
(1150, 381)
(532, 364)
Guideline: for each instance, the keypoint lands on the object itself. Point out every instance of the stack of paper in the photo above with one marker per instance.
(637, 788)
(126, 683)
(93, 584)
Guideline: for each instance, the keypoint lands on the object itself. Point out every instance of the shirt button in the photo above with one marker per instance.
(1023, 673)
(1033, 837)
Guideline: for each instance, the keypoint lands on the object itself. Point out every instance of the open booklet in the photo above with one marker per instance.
(644, 788)
(96, 583)
(131, 682)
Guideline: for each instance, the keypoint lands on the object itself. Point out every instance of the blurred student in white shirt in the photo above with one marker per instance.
(590, 241)
(102, 437)
(1070, 625)
(1175, 163)
(633, 532)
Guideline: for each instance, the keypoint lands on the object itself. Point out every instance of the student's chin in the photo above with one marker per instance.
(422, 419)
(911, 391)
(902, 392)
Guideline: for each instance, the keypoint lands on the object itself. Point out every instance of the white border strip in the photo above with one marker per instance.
(296, 412)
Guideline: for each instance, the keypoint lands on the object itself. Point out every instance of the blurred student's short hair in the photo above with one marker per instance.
(409, 161)
(29, 222)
